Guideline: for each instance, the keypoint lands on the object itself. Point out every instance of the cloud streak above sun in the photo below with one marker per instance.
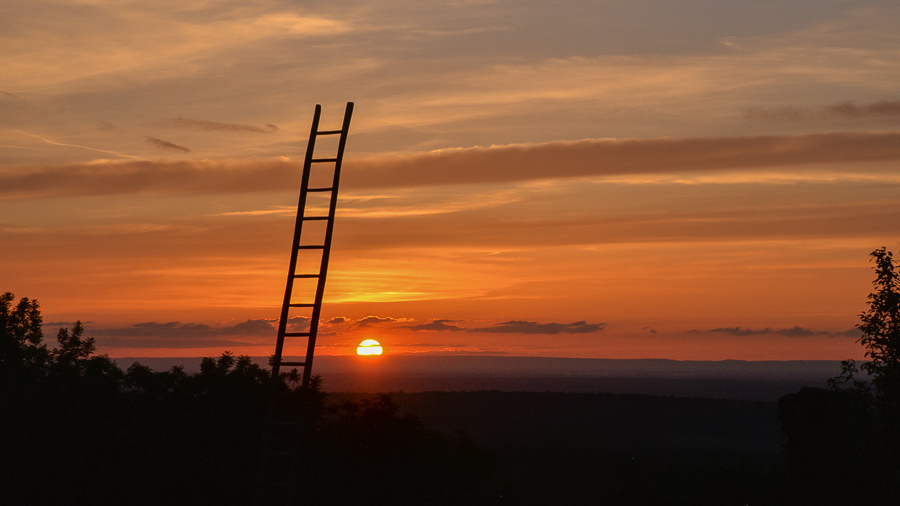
(565, 159)
(217, 126)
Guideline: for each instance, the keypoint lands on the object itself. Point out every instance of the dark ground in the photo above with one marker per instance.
(600, 448)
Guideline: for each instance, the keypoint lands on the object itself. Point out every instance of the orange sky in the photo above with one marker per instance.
(582, 179)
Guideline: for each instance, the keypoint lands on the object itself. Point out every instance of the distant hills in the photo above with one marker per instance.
(727, 379)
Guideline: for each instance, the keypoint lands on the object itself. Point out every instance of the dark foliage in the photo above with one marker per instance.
(843, 445)
(76, 429)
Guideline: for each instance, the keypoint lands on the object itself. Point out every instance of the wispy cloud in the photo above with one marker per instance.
(526, 327)
(188, 330)
(569, 159)
(599, 157)
(796, 331)
(221, 127)
(510, 327)
(166, 145)
(187, 335)
(889, 109)
(88, 148)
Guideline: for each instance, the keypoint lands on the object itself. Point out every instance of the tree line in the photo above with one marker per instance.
(75, 428)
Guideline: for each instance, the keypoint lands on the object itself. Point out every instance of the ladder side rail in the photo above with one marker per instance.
(298, 228)
(326, 252)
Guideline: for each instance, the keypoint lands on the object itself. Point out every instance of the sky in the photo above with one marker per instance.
(695, 180)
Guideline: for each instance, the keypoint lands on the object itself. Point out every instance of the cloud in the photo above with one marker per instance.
(598, 157)
(298, 323)
(369, 321)
(252, 327)
(6, 94)
(436, 325)
(216, 126)
(61, 324)
(795, 331)
(185, 177)
(337, 320)
(192, 335)
(166, 145)
(155, 342)
(840, 110)
(525, 327)
(105, 126)
(511, 327)
(177, 329)
(79, 146)
(771, 113)
(848, 109)
(592, 157)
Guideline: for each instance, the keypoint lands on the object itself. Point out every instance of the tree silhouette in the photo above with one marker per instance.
(21, 336)
(880, 327)
(74, 346)
(842, 444)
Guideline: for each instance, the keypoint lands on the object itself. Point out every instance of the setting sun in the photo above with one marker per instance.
(369, 347)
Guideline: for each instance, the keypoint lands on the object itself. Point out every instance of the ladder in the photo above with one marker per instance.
(321, 245)
(278, 470)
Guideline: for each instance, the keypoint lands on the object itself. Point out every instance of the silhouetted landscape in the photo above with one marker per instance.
(78, 429)
(728, 379)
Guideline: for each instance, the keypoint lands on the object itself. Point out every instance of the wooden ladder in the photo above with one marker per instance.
(279, 452)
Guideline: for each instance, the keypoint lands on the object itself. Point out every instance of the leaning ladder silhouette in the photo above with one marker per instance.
(286, 451)
(324, 247)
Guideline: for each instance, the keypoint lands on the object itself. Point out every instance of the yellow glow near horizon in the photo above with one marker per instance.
(369, 347)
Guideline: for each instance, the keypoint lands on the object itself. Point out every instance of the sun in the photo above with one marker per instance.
(369, 347)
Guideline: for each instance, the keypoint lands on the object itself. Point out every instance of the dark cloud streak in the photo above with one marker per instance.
(178, 330)
(796, 331)
(525, 327)
(166, 145)
(436, 325)
(369, 321)
(221, 127)
(840, 110)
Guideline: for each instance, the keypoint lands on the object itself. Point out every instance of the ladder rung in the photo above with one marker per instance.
(323, 160)
(296, 334)
(319, 189)
(315, 217)
(307, 275)
(301, 305)
(294, 364)
(329, 132)
(312, 246)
